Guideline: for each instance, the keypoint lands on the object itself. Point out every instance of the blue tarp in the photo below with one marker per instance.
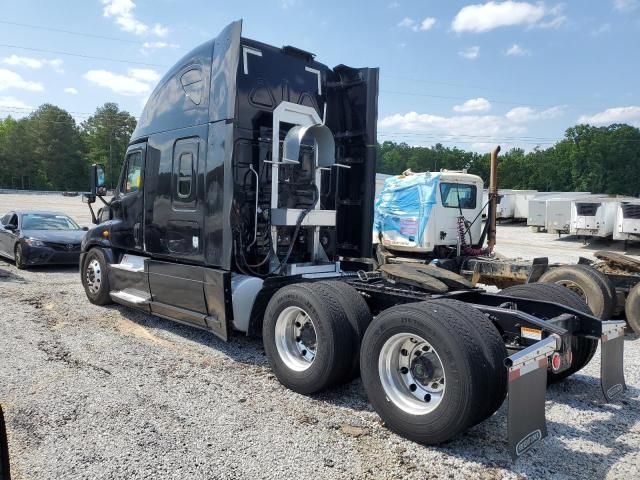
(404, 205)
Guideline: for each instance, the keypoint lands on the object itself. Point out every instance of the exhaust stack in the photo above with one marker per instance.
(493, 198)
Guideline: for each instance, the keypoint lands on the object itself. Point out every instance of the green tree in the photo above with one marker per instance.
(107, 134)
(56, 148)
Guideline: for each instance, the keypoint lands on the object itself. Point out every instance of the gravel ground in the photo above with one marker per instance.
(107, 392)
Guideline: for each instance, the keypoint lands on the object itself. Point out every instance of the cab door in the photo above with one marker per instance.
(127, 206)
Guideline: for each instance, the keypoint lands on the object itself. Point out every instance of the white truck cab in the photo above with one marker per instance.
(454, 194)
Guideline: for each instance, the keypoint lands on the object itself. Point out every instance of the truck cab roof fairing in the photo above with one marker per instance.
(183, 98)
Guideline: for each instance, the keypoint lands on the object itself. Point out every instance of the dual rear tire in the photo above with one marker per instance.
(430, 369)
(312, 334)
(433, 369)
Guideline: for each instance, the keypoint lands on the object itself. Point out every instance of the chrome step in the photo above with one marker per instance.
(134, 297)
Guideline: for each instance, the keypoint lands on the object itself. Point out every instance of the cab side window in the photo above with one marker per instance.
(133, 176)
(185, 175)
(185, 166)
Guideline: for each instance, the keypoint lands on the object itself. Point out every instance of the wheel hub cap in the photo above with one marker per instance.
(296, 339)
(411, 373)
(93, 276)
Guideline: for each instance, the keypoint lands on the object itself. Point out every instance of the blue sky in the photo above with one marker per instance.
(463, 73)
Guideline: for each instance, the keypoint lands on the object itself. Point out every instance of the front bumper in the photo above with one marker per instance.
(46, 255)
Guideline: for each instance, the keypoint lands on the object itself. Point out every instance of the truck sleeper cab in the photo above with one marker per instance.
(245, 204)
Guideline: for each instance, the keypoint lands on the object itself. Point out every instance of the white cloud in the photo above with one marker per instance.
(13, 102)
(470, 53)
(604, 28)
(137, 82)
(149, 46)
(625, 5)
(144, 74)
(122, 12)
(482, 132)
(473, 105)
(629, 115)
(490, 15)
(160, 30)
(475, 129)
(34, 63)
(528, 114)
(393, 5)
(424, 25)
(71, 91)
(9, 79)
(516, 50)
(427, 23)
(406, 22)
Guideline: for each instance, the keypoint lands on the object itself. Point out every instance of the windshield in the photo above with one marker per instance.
(45, 221)
(458, 195)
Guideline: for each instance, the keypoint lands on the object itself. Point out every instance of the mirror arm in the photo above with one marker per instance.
(94, 220)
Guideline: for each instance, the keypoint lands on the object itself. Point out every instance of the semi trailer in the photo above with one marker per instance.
(245, 207)
(627, 224)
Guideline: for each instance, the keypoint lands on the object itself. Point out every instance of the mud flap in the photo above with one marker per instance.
(527, 390)
(611, 364)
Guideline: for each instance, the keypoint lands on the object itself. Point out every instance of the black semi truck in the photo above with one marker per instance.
(245, 205)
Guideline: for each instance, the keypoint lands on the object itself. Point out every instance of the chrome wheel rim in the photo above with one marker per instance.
(296, 340)
(412, 374)
(18, 256)
(93, 276)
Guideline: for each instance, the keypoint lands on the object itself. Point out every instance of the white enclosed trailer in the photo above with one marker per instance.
(521, 203)
(559, 212)
(627, 225)
(506, 204)
(593, 217)
(537, 215)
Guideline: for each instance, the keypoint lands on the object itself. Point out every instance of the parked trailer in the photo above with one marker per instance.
(521, 203)
(246, 206)
(627, 225)
(506, 206)
(537, 218)
(559, 213)
(593, 217)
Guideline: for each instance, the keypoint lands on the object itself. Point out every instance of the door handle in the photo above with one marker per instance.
(136, 234)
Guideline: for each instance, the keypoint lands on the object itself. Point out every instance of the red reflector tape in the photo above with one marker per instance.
(516, 373)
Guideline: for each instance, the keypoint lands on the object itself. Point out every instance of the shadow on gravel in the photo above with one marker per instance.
(240, 348)
(485, 443)
(9, 276)
(246, 350)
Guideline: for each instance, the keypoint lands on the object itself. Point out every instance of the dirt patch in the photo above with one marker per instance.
(129, 327)
(56, 352)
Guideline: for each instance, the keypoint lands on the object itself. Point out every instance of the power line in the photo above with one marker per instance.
(464, 85)
(70, 54)
(71, 32)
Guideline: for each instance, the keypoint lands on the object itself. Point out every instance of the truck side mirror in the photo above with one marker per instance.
(97, 180)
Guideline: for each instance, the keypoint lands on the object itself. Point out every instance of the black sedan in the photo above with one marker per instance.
(40, 238)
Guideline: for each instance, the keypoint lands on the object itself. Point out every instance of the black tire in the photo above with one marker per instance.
(632, 308)
(593, 286)
(582, 348)
(100, 296)
(334, 338)
(18, 256)
(358, 314)
(494, 353)
(464, 359)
